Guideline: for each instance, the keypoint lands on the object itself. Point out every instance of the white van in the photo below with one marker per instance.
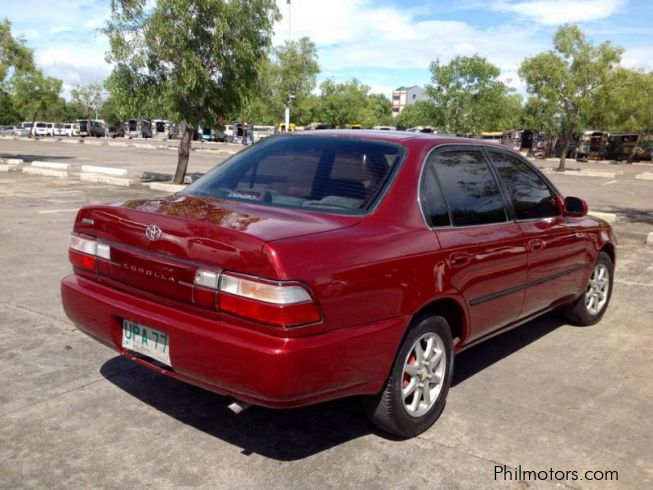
(68, 129)
(40, 129)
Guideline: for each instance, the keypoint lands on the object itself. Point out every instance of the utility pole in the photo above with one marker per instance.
(287, 110)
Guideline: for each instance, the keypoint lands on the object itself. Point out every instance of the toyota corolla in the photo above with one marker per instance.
(310, 267)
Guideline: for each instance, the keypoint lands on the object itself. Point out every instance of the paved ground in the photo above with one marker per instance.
(135, 155)
(546, 395)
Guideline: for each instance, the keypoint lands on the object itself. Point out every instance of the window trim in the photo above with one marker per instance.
(519, 157)
(422, 182)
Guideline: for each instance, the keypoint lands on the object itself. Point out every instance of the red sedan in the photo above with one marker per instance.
(315, 266)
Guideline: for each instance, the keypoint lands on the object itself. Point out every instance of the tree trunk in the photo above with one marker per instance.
(563, 156)
(184, 154)
(631, 157)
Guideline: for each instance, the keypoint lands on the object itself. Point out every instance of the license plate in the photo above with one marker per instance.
(146, 340)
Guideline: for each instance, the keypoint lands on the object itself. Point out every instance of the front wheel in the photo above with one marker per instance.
(591, 306)
(415, 393)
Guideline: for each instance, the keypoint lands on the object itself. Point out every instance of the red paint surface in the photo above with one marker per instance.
(369, 276)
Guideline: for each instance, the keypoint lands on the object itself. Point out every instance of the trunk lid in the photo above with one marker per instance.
(187, 233)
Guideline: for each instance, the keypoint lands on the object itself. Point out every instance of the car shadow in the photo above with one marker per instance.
(290, 435)
(491, 351)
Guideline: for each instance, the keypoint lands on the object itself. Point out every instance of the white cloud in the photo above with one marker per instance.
(556, 12)
(639, 57)
(353, 34)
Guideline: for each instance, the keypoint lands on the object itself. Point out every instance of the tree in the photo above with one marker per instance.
(290, 69)
(342, 104)
(195, 60)
(35, 93)
(471, 97)
(13, 52)
(624, 103)
(420, 113)
(87, 98)
(568, 79)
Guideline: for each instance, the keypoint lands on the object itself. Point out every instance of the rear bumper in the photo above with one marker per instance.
(248, 365)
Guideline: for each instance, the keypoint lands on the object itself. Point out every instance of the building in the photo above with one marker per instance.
(404, 96)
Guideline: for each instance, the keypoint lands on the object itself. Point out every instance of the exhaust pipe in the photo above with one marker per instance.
(238, 407)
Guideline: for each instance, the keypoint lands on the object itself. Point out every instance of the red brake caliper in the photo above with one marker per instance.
(406, 380)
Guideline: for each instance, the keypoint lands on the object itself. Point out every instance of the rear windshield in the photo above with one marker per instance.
(320, 173)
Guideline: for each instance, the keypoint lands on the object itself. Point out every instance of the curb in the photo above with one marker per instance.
(47, 172)
(11, 161)
(607, 217)
(165, 187)
(94, 169)
(71, 141)
(645, 176)
(51, 165)
(93, 143)
(105, 179)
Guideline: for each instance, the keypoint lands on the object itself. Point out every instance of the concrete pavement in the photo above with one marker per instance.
(546, 395)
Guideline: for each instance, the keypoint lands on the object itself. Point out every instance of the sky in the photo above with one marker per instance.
(383, 43)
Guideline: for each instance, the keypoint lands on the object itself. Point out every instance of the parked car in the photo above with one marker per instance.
(322, 265)
(15, 131)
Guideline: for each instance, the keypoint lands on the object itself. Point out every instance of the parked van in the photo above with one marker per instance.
(40, 129)
(160, 127)
(84, 126)
(98, 128)
(67, 129)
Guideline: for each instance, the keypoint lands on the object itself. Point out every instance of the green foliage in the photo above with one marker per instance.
(420, 113)
(624, 103)
(86, 99)
(568, 79)
(13, 52)
(343, 104)
(192, 60)
(470, 97)
(290, 68)
(35, 93)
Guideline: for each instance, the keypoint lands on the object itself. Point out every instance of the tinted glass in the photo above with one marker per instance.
(469, 188)
(322, 173)
(530, 195)
(433, 203)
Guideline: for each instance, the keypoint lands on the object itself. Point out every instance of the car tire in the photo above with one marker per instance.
(395, 409)
(590, 307)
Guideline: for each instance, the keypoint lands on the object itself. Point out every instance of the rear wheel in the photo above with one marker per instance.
(415, 392)
(591, 306)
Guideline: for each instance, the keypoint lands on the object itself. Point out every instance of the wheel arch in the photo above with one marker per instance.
(453, 312)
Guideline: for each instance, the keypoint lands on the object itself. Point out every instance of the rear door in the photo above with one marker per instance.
(485, 252)
(556, 244)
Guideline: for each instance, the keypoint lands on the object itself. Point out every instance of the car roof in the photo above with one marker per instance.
(391, 136)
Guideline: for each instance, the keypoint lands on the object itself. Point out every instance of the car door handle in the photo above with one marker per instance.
(460, 259)
(536, 245)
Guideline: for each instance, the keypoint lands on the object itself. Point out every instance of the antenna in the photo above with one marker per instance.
(289, 20)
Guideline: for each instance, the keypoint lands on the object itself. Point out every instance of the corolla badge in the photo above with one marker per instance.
(153, 232)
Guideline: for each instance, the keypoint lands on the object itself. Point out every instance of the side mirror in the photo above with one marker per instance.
(575, 207)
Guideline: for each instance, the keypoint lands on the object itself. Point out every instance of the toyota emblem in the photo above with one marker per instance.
(153, 232)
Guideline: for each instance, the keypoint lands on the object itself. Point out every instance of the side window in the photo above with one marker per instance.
(433, 203)
(469, 188)
(531, 197)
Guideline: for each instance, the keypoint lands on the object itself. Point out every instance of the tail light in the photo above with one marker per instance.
(84, 251)
(279, 303)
